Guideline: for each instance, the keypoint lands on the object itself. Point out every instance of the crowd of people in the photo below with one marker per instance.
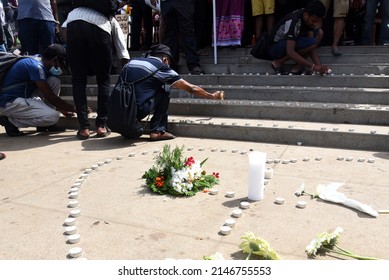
(88, 40)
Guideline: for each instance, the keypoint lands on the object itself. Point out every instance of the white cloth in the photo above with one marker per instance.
(119, 40)
(90, 16)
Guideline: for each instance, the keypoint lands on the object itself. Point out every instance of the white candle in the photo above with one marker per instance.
(257, 162)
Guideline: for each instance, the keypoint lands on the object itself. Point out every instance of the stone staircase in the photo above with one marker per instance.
(348, 109)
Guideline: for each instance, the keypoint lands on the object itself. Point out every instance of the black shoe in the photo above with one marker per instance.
(50, 128)
(196, 70)
(10, 129)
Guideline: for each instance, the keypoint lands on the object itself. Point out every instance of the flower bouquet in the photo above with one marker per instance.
(175, 175)
(254, 245)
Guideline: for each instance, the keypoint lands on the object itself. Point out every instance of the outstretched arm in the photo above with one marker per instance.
(50, 97)
(197, 91)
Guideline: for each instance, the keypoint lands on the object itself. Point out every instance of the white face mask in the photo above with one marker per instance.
(55, 71)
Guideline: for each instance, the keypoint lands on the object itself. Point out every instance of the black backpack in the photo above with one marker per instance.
(6, 61)
(262, 46)
(106, 7)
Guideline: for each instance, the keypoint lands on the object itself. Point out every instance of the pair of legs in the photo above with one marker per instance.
(177, 30)
(158, 106)
(262, 9)
(30, 112)
(35, 35)
(369, 21)
(340, 12)
(89, 48)
(141, 11)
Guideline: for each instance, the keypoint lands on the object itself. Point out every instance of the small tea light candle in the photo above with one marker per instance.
(268, 173)
(299, 143)
(75, 213)
(269, 160)
(370, 160)
(230, 194)
(266, 181)
(279, 200)
(156, 151)
(73, 195)
(84, 176)
(73, 203)
(190, 148)
(293, 160)
(318, 158)
(230, 222)
(340, 158)
(70, 221)
(237, 213)
(119, 157)
(244, 205)
(223, 150)
(361, 159)
(131, 154)
(108, 161)
(285, 161)
(145, 153)
(201, 149)
(301, 204)
(349, 159)
(213, 191)
(94, 166)
(88, 170)
(73, 189)
(277, 160)
(80, 181)
(234, 151)
(306, 159)
(213, 149)
(74, 238)
(70, 230)
(243, 152)
(75, 252)
(100, 163)
(225, 230)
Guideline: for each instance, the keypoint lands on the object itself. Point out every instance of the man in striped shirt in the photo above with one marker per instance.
(151, 91)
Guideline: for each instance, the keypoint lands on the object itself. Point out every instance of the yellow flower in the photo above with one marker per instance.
(257, 246)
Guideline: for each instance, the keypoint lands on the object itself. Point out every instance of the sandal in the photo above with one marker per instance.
(279, 70)
(82, 137)
(336, 52)
(103, 134)
(161, 135)
(2, 156)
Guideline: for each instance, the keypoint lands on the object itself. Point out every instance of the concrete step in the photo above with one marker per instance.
(343, 136)
(368, 114)
(329, 81)
(279, 93)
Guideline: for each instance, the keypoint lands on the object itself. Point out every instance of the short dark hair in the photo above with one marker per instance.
(316, 8)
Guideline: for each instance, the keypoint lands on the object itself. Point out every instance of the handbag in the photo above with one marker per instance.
(261, 47)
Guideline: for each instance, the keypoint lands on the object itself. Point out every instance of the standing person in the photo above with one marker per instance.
(263, 9)
(26, 86)
(370, 16)
(2, 24)
(229, 22)
(339, 14)
(37, 23)
(152, 73)
(296, 37)
(89, 49)
(177, 27)
(141, 13)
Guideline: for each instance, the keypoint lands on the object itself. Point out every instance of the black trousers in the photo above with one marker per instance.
(89, 52)
(177, 27)
(141, 11)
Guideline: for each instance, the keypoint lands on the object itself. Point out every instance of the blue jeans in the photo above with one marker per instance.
(158, 106)
(370, 15)
(36, 35)
(278, 49)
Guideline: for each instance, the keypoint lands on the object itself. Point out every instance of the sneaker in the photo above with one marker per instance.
(196, 70)
(10, 129)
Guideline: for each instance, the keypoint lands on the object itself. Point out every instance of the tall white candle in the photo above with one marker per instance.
(257, 162)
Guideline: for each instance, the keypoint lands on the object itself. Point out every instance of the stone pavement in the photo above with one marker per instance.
(121, 219)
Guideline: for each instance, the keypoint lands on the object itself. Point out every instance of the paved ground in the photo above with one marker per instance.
(121, 219)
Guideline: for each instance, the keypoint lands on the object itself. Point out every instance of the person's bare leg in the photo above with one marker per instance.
(338, 31)
(258, 26)
(270, 20)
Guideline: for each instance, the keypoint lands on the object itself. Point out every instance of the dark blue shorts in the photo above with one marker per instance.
(278, 49)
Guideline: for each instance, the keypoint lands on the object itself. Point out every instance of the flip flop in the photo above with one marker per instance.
(82, 137)
(336, 52)
(105, 134)
(279, 70)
